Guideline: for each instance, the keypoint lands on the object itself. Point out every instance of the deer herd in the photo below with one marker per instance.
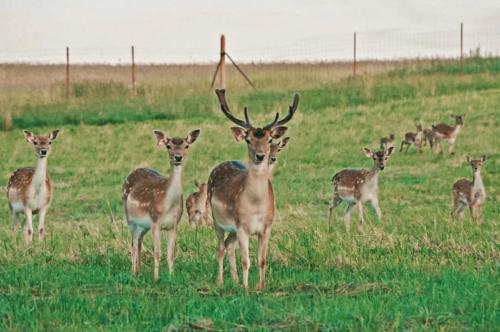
(239, 195)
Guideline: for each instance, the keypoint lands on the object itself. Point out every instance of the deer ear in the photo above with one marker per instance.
(239, 133)
(389, 151)
(28, 135)
(54, 135)
(368, 152)
(161, 139)
(468, 159)
(277, 132)
(192, 136)
(483, 158)
(284, 142)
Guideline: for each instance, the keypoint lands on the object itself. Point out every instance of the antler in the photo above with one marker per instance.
(221, 94)
(289, 116)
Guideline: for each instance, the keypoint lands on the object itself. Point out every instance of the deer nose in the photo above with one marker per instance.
(260, 156)
(382, 167)
(178, 158)
(43, 152)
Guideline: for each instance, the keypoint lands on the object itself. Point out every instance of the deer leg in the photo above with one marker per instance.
(451, 149)
(14, 224)
(407, 147)
(245, 256)
(335, 202)
(230, 245)
(134, 249)
(262, 256)
(220, 254)
(172, 235)
(359, 206)
(472, 214)
(28, 225)
(41, 223)
(157, 248)
(376, 207)
(401, 148)
(347, 216)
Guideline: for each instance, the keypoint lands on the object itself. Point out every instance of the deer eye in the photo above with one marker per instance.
(50, 143)
(169, 147)
(248, 141)
(35, 143)
(187, 146)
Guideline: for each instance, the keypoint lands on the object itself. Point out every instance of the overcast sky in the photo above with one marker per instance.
(257, 30)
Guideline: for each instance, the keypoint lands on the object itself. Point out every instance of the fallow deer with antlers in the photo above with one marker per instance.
(447, 133)
(241, 197)
(197, 205)
(356, 187)
(154, 202)
(29, 190)
(469, 193)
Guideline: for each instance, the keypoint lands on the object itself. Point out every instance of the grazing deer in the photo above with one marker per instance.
(197, 205)
(29, 190)
(358, 186)
(241, 197)
(413, 138)
(275, 151)
(154, 201)
(444, 132)
(387, 142)
(469, 193)
(429, 137)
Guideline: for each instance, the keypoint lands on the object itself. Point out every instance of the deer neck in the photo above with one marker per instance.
(477, 181)
(40, 175)
(173, 190)
(372, 176)
(257, 181)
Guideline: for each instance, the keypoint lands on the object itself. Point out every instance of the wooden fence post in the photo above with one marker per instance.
(462, 48)
(68, 87)
(134, 91)
(222, 63)
(354, 58)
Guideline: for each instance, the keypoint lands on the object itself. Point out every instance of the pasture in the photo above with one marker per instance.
(411, 271)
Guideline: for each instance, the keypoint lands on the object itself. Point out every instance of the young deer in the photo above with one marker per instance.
(413, 138)
(29, 190)
(197, 205)
(358, 186)
(241, 197)
(275, 151)
(448, 133)
(469, 193)
(429, 137)
(154, 201)
(387, 142)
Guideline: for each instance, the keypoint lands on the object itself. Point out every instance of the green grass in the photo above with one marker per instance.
(413, 271)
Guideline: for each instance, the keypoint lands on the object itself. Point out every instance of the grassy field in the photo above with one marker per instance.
(413, 271)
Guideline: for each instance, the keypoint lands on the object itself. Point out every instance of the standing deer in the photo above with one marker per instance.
(197, 205)
(356, 187)
(469, 194)
(275, 151)
(241, 197)
(413, 138)
(387, 142)
(429, 137)
(444, 132)
(29, 190)
(154, 201)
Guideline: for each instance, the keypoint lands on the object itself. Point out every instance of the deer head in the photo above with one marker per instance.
(380, 157)
(176, 147)
(477, 163)
(276, 149)
(459, 119)
(258, 139)
(41, 143)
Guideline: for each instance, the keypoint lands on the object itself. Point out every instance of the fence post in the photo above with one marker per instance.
(134, 91)
(222, 62)
(462, 48)
(68, 87)
(354, 58)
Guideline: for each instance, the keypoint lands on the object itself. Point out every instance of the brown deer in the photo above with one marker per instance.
(469, 194)
(197, 205)
(444, 132)
(241, 197)
(356, 187)
(413, 138)
(29, 190)
(387, 142)
(429, 136)
(275, 151)
(154, 202)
